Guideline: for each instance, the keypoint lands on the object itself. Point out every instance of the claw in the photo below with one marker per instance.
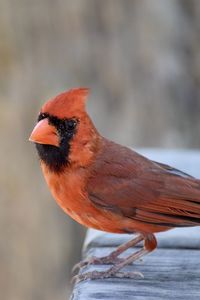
(90, 261)
(96, 261)
(79, 265)
(107, 274)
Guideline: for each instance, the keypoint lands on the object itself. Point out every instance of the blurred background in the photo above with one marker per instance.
(141, 59)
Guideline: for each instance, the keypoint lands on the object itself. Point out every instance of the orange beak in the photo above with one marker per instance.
(44, 133)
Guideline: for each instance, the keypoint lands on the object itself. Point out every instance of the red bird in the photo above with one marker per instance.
(109, 187)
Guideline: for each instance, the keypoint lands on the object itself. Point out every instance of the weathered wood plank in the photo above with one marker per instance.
(168, 274)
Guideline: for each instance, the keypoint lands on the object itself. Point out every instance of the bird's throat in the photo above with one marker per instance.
(55, 158)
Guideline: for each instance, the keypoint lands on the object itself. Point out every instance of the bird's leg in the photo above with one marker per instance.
(112, 258)
(150, 244)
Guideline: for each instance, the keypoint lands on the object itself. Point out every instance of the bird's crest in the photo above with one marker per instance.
(67, 104)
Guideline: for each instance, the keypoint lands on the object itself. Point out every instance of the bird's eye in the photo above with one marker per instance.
(71, 124)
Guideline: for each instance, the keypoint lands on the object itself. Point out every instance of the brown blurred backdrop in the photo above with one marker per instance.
(141, 59)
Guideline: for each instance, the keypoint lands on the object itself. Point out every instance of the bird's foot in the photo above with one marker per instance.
(105, 260)
(106, 274)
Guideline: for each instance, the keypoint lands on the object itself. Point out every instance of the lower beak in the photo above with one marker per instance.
(44, 133)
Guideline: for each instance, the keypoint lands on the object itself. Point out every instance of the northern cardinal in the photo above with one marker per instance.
(109, 187)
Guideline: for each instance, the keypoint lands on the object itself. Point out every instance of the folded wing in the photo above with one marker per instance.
(127, 183)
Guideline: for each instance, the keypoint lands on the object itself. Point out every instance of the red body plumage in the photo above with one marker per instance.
(104, 185)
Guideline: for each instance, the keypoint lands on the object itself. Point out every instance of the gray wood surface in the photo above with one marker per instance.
(170, 272)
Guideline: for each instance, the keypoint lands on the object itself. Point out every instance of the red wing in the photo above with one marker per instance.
(131, 185)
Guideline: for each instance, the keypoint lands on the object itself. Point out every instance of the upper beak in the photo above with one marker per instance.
(44, 133)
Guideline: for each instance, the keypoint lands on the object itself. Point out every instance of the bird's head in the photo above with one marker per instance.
(64, 134)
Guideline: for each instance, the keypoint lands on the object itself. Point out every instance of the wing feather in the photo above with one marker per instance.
(127, 183)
